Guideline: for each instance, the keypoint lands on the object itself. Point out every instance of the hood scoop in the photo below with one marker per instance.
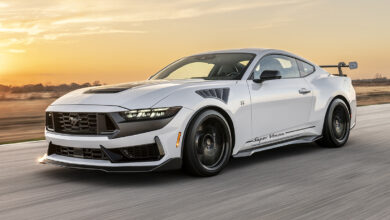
(105, 90)
(118, 88)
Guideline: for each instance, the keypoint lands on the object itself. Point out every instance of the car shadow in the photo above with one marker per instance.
(273, 154)
(115, 179)
(168, 177)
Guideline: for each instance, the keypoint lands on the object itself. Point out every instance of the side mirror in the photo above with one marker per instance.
(268, 75)
(353, 65)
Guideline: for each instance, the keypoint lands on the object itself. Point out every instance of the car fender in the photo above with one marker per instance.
(237, 108)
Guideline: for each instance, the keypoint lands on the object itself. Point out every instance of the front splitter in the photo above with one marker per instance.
(171, 164)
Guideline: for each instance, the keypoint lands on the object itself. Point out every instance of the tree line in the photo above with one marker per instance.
(46, 88)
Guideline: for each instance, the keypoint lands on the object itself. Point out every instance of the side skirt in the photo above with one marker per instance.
(298, 140)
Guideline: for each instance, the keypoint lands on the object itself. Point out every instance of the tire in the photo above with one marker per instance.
(336, 125)
(208, 144)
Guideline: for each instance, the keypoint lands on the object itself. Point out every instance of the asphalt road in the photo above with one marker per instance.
(295, 182)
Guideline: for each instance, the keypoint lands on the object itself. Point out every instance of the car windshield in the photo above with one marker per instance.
(219, 66)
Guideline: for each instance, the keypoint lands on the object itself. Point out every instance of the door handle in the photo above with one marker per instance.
(304, 91)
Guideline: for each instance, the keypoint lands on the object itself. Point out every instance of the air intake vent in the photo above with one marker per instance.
(219, 93)
(83, 153)
(148, 152)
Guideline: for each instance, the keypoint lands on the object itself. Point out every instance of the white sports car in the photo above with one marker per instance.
(200, 111)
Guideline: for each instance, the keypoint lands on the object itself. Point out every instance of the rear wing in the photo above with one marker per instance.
(351, 65)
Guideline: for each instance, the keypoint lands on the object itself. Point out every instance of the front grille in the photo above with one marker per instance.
(79, 123)
(84, 153)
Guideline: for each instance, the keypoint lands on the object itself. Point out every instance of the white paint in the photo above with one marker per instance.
(270, 107)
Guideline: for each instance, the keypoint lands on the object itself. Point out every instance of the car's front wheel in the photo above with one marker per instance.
(336, 126)
(208, 144)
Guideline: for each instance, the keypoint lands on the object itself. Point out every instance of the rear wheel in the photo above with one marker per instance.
(336, 126)
(208, 144)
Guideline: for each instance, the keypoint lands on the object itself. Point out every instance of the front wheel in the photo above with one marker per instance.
(208, 144)
(336, 126)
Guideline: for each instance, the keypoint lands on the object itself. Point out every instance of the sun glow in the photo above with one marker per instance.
(78, 41)
(2, 64)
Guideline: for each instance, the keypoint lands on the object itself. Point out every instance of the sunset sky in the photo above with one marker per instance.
(52, 41)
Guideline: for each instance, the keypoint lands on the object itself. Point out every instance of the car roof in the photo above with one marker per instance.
(257, 51)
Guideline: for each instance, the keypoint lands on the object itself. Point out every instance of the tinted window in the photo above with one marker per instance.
(192, 70)
(306, 68)
(219, 66)
(287, 66)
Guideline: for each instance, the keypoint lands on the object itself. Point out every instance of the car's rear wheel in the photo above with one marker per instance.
(208, 144)
(336, 126)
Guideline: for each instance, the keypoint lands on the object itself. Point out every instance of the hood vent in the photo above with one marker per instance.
(119, 87)
(105, 90)
(218, 93)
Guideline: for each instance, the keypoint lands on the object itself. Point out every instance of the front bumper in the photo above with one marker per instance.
(166, 136)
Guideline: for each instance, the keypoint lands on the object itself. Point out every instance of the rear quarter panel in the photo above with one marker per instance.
(325, 88)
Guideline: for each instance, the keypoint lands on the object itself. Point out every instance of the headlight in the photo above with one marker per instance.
(150, 113)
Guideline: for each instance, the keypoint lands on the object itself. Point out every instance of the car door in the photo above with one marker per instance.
(279, 106)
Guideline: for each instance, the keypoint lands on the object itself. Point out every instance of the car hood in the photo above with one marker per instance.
(134, 95)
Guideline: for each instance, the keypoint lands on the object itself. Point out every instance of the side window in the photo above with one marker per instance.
(306, 69)
(287, 66)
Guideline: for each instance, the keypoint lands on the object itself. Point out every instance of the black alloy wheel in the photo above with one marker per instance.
(208, 144)
(337, 125)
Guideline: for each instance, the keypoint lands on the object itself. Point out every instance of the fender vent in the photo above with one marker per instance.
(220, 93)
